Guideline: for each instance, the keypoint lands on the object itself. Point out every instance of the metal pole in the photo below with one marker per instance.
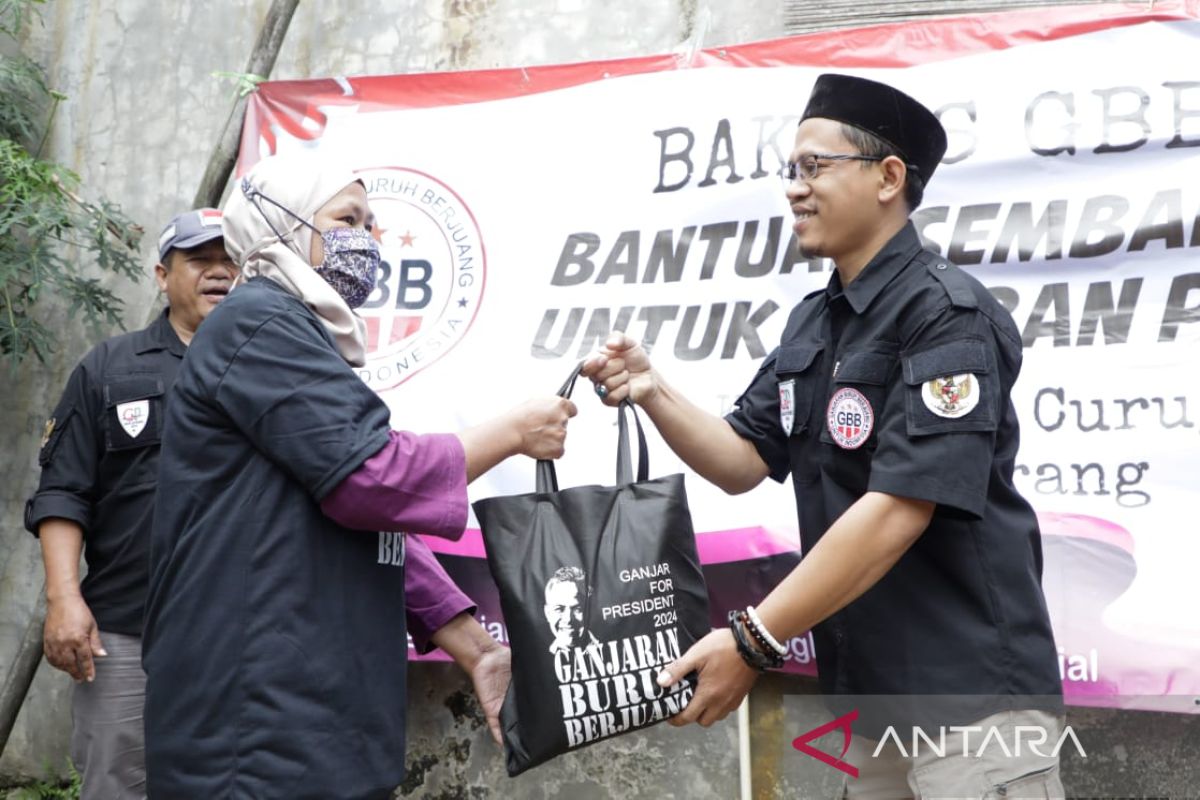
(744, 762)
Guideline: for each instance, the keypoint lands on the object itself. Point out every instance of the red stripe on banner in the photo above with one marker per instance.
(906, 44)
(715, 547)
(294, 106)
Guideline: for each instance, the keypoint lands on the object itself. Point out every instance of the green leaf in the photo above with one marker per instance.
(53, 238)
(244, 82)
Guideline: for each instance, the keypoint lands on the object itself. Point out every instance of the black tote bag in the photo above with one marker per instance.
(601, 588)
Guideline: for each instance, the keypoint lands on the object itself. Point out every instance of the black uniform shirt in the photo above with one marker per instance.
(100, 463)
(275, 641)
(900, 384)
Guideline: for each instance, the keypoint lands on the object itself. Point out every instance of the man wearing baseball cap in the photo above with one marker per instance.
(99, 459)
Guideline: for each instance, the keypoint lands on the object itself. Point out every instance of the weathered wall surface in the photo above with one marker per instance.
(143, 114)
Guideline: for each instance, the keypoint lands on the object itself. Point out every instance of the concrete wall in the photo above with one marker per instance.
(143, 114)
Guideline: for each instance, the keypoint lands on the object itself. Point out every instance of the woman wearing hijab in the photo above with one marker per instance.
(275, 642)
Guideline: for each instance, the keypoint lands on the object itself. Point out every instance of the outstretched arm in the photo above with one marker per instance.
(418, 482)
(705, 442)
(857, 550)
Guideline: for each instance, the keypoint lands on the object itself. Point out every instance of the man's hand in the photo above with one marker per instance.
(723, 681)
(623, 369)
(491, 676)
(71, 638)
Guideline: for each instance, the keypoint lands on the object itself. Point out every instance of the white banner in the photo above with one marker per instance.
(525, 214)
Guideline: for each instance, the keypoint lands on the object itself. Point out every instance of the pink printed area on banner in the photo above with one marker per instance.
(1082, 526)
(715, 547)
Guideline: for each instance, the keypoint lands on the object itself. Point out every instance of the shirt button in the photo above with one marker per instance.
(941, 266)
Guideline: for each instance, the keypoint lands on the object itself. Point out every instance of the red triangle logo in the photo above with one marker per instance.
(843, 722)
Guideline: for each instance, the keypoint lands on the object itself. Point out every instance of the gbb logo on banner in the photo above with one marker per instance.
(431, 277)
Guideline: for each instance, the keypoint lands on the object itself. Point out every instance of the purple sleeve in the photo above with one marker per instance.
(431, 598)
(414, 483)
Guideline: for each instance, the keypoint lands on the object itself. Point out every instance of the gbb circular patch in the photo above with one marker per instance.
(850, 418)
(952, 396)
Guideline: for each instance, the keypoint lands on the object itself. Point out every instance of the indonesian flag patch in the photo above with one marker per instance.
(787, 405)
(850, 418)
(953, 396)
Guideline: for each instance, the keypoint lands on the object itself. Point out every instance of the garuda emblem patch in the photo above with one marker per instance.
(953, 396)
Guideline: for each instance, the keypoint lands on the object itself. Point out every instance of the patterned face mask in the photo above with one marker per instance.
(351, 254)
(351, 263)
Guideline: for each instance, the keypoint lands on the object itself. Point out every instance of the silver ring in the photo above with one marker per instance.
(601, 391)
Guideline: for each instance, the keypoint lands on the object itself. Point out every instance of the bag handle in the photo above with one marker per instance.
(547, 477)
(624, 467)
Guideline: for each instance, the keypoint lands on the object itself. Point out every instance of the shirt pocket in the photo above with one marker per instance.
(133, 411)
(855, 405)
(797, 379)
(951, 388)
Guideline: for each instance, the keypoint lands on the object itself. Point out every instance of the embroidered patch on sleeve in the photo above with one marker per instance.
(953, 396)
(49, 429)
(787, 405)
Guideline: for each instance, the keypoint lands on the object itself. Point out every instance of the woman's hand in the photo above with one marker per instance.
(537, 428)
(542, 424)
(490, 677)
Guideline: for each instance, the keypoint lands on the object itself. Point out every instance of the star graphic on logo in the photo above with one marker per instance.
(462, 303)
(407, 239)
(377, 233)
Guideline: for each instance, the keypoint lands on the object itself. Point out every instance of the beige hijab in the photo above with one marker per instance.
(302, 182)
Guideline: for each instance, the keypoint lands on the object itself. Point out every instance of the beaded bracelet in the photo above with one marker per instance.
(757, 638)
(762, 635)
(755, 658)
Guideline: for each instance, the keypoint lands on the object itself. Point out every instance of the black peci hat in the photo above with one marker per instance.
(883, 111)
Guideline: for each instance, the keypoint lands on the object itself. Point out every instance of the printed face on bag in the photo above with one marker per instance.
(615, 572)
(565, 593)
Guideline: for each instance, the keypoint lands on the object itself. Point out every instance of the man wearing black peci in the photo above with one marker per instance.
(888, 404)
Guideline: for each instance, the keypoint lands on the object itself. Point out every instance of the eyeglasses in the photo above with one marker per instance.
(808, 167)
